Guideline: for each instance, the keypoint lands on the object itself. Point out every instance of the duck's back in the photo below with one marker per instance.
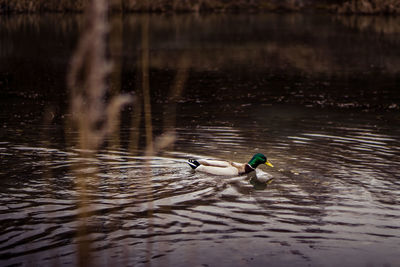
(227, 170)
(214, 162)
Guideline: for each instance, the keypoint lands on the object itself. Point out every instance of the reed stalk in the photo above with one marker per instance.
(93, 116)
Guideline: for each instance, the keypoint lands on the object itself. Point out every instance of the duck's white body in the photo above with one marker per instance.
(220, 167)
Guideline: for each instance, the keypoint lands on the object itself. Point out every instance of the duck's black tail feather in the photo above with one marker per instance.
(193, 163)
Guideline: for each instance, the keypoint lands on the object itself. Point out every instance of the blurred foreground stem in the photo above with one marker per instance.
(93, 117)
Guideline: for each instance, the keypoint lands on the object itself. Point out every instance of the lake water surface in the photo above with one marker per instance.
(319, 95)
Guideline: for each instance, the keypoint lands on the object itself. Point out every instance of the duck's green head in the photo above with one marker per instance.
(258, 159)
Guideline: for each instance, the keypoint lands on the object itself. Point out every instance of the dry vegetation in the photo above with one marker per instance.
(339, 6)
(369, 7)
(150, 6)
(95, 105)
(30, 6)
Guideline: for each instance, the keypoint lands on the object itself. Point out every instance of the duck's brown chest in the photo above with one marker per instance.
(248, 168)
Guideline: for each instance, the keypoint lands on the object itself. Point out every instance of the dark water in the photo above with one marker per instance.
(319, 95)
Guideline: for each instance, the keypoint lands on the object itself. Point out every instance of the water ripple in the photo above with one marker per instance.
(333, 187)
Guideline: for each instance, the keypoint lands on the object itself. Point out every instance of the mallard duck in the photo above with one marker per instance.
(228, 168)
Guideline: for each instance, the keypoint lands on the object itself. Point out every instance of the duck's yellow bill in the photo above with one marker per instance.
(269, 164)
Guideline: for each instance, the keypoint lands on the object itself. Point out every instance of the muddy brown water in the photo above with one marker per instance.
(317, 94)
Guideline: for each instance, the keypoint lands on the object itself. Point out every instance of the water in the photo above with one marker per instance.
(317, 95)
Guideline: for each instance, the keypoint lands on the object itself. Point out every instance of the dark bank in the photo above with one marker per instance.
(333, 6)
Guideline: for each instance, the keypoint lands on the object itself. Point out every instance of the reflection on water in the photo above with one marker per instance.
(335, 195)
(312, 60)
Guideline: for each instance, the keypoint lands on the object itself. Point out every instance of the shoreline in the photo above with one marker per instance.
(350, 7)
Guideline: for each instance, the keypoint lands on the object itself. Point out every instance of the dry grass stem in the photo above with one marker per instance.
(94, 118)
